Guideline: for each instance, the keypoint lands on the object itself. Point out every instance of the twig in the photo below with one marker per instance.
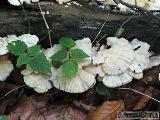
(12, 91)
(101, 28)
(102, 38)
(47, 26)
(140, 93)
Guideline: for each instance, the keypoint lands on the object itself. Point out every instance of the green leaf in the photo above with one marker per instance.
(70, 68)
(23, 59)
(17, 47)
(3, 117)
(78, 54)
(59, 56)
(101, 89)
(33, 50)
(67, 42)
(40, 64)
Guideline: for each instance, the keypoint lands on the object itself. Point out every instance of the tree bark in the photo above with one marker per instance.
(79, 22)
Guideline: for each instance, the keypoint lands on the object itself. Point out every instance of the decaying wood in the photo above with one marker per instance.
(78, 22)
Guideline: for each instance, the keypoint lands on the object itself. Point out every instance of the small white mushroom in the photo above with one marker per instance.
(154, 61)
(135, 71)
(117, 58)
(85, 45)
(29, 39)
(80, 83)
(62, 1)
(6, 67)
(3, 46)
(39, 82)
(141, 53)
(83, 80)
(17, 3)
(118, 80)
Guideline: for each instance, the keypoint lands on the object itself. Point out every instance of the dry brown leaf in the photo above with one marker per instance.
(143, 100)
(38, 108)
(107, 111)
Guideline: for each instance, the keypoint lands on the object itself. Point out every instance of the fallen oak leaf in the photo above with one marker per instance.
(107, 111)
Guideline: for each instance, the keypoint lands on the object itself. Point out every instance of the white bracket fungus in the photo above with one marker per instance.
(121, 62)
(83, 80)
(80, 83)
(17, 3)
(30, 40)
(6, 67)
(147, 4)
(62, 1)
(39, 82)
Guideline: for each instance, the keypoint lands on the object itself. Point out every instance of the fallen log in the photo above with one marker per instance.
(78, 22)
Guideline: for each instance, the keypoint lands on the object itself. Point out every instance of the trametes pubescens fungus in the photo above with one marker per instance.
(120, 61)
(146, 4)
(83, 80)
(72, 66)
(39, 82)
(19, 2)
(62, 1)
(6, 65)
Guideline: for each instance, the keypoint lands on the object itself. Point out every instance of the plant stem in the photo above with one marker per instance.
(120, 28)
(47, 26)
(26, 17)
(101, 28)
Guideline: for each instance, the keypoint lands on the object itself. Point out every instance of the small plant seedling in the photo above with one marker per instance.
(32, 56)
(101, 89)
(69, 56)
(3, 117)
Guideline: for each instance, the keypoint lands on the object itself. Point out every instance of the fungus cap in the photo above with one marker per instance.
(80, 83)
(40, 83)
(29, 39)
(62, 1)
(6, 67)
(3, 46)
(116, 59)
(17, 3)
(118, 80)
(85, 45)
(141, 53)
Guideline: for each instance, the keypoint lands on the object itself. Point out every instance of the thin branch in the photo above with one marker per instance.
(140, 93)
(102, 38)
(101, 28)
(12, 91)
(47, 26)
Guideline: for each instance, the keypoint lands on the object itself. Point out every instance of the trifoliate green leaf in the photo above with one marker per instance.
(17, 47)
(23, 59)
(101, 89)
(3, 117)
(78, 54)
(67, 42)
(33, 50)
(70, 68)
(40, 64)
(59, 56)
